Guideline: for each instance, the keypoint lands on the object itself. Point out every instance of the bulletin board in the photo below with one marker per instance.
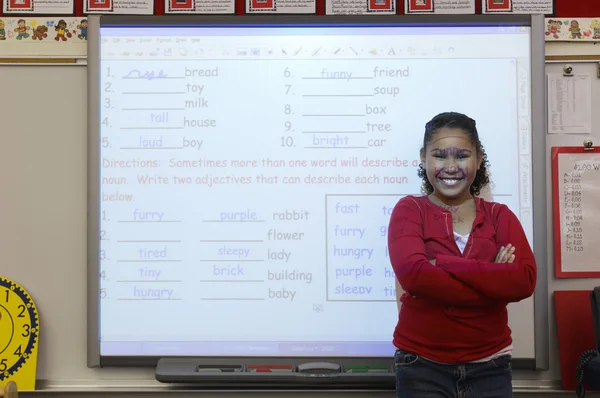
(81, 8)
(57, 29)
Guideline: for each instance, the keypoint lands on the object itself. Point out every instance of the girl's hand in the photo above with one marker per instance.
(506, 254)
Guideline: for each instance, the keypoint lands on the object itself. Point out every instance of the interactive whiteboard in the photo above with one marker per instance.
(243, 174)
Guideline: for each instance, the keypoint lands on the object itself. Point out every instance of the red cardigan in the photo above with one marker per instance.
(455, 311)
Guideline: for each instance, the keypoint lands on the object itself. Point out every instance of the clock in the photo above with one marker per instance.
(19, 330)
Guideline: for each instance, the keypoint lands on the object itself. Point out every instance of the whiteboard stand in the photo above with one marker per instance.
(576, 194)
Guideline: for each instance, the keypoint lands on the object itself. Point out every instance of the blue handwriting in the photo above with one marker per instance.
(149, 75)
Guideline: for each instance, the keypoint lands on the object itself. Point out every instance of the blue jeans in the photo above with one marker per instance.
(417, 377)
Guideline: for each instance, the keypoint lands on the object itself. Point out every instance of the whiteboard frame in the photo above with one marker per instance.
(541, 307)
(93, 191)
(538, 163)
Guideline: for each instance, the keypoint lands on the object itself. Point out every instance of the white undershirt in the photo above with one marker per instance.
(461, 241)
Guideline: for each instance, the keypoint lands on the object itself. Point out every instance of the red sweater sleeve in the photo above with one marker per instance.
(417, 276)
(511, 282)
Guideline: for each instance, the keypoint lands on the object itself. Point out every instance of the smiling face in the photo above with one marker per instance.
(451, 161)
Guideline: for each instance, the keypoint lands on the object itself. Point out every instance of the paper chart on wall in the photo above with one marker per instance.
(578, 196)
(58, 7)
(130, 7)
(517, 6)
(439, 6)
(281, 6)
(360, 7)
(199, 7)
(569, 104)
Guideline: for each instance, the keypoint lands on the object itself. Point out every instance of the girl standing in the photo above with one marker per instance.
(460, 260)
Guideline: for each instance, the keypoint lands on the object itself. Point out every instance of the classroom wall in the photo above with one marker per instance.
(562, 8)
(43, 229)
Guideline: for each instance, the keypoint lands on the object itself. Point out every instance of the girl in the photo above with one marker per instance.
(460, 260)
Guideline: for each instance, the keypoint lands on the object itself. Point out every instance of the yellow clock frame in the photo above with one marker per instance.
(19, 332)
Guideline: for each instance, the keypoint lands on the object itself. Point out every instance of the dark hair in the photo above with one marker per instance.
(457, 121)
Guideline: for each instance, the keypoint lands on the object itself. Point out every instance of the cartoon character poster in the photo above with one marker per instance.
(595, 28)
(62, 32)
(39, 32)
(22, 30)
(553, 28)
(82, 26)
(575, 30)
(572, 29)
(43, 30)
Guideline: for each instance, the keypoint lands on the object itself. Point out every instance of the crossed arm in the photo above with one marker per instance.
(507, 281)
(455, 281)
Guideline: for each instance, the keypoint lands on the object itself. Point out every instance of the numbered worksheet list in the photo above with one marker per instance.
(249, 173)
(233, 184)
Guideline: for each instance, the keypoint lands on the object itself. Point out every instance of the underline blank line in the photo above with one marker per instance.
(140, 221)
(231, 241)
(153, 78)
(231, 299)
(339, 78)
(153, 109)
(334, 132)
(155, 147)
(148, 261)
(149, 241)
(151, 128)
(149, 299)
(147, 281)
(335, 147)
(232, 280)
(333, 115)
(338, 95)
(238, 221)
(153, 92)
(232, 261)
